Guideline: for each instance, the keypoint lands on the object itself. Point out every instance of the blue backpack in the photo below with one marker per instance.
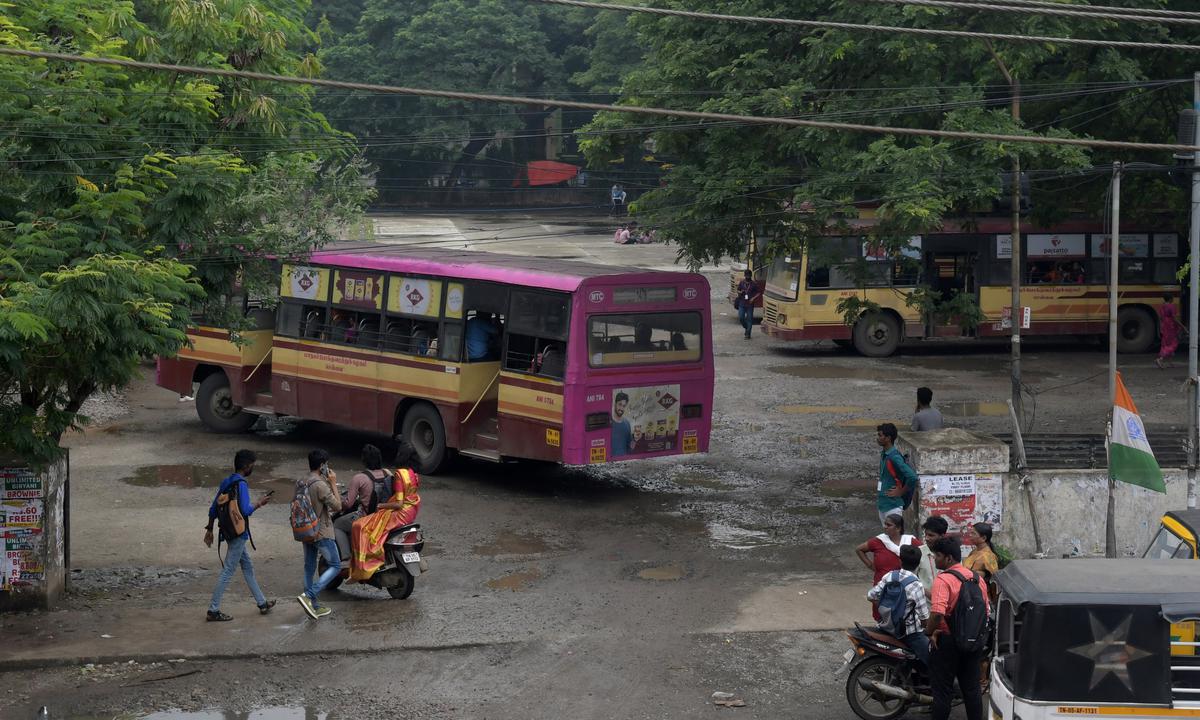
(893, 603)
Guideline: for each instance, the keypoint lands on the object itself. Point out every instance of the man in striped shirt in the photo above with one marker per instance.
(916, 606)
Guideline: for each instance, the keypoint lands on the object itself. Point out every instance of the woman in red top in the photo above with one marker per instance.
(884, 549)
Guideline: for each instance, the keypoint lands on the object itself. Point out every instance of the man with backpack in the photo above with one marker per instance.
(232, 508)
(367, 489)
(315, 499)
(897, 481)
(903, 608)
(959, 630)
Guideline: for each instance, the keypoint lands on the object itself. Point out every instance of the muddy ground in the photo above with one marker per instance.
(630, 591)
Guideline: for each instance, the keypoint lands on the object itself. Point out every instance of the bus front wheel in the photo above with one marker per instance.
(215, 406)
(423, 430)
(1135, 330)
(876, 334)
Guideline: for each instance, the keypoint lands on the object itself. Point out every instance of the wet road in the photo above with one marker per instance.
(625, 592)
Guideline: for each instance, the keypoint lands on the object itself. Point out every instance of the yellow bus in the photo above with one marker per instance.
(1064, 286)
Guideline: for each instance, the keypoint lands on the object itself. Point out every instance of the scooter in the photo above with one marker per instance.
(886, 679)
(402, 563)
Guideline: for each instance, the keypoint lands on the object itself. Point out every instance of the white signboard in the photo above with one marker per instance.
(305, 283)
(1166, 245)
(1056, 246)
(1134, 245)
(1004, 247)
(963, 499)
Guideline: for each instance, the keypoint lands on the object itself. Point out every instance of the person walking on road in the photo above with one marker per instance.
(748, 293)
(897, 481)
(232, 503)
(925, 417)
(947, 662)
(322, 489)
(1169, 330)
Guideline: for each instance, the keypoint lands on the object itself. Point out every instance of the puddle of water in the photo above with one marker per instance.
(738, 538)
(847, 487)
(973, 409)
(208, 476)
(512, 543)
(670, 571)
(829, 372)
(516, 582)
(816, 409)
(862, 424)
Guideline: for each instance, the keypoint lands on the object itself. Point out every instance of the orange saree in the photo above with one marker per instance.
(370, 531)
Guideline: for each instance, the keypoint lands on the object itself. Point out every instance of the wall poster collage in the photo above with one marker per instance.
(22, 504)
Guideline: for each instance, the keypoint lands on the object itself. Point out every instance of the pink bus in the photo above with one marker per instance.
(491, 356)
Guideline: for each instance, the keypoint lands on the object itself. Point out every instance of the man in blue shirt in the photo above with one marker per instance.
(236, 552)
(622, 434)
(897, 481)
(481, 330)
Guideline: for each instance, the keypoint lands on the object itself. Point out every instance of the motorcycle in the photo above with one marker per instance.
(402, 563)
(887, 678)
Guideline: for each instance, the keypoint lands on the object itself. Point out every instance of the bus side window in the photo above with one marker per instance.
(313, 326)
(415, 337)
(450, 345)
(288, 320)
(535, 356)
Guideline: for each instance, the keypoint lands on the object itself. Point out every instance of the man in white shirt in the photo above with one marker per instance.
(935, 526)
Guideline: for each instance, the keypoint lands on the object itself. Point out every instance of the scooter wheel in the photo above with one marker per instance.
(404, 588)
(868, 705)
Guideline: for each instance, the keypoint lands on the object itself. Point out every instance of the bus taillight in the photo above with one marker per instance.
(691, 411)
(597, 421)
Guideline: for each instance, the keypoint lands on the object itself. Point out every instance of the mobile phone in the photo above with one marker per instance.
(270, 493)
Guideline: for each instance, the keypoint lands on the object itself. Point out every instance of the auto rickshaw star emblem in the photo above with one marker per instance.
(1110, 652)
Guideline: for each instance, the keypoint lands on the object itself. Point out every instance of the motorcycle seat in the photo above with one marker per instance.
(883, 637)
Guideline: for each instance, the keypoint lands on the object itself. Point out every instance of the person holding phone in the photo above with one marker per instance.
(236, 553)
(323, 493)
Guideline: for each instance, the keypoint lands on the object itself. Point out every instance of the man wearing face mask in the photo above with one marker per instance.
(322, 488)
(233, 490)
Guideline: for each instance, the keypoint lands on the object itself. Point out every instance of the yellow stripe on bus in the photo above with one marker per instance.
(510, 408)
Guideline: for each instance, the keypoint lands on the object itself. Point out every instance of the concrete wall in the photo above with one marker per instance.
(44, 591)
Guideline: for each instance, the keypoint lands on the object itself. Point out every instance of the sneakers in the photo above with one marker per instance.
(323, 610)
(266, 607)
(218, 616)
(308, 606)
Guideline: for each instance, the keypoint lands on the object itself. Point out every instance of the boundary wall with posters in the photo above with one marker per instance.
(33, 529)
(967, 477)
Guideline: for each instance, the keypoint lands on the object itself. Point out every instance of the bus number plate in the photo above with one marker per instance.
(691, 444)
(599, 455)
(553, 439)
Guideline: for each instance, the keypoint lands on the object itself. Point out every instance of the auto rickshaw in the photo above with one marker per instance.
(1176, 537)
(1093, 637)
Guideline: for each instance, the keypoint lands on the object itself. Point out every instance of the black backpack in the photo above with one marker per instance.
(380, 492)
(970, 624)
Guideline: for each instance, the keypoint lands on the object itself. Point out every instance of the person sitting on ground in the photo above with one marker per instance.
(925, 417)
(634, 234)
(916, 606)
(884, 548)
(621, 236)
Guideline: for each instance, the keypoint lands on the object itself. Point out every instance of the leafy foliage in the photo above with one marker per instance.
(130, 198)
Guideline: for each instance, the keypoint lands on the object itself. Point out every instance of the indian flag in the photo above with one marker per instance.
(1130, 458)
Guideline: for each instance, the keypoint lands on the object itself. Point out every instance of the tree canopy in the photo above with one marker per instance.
(130, 199)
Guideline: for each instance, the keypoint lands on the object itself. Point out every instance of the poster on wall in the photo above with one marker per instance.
(644, 420)
(21, 514)
(963, 499)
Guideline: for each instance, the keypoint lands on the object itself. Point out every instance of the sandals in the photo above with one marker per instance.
(218, 616)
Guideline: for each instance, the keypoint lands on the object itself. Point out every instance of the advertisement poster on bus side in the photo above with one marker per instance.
(963, 499)
(644, 420)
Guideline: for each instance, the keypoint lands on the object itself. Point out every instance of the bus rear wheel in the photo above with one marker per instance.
(215, 406)
(1136, 331)
(876, 334)
(423, 429)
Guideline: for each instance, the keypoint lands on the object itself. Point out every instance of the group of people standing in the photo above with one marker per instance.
(352, 524)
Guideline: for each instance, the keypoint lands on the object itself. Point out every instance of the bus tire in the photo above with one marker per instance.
(423, 429)
(214, 405)
(1136, 331)
(876, 334)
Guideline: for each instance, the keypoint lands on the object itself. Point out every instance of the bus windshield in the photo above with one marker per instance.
(643, 338)
(783, 279)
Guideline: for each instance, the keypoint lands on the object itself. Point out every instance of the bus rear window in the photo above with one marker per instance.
(643, 338)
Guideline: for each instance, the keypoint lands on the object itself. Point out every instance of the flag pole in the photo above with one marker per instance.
(1114, 246)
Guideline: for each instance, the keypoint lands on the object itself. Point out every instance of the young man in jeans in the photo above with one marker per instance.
(236, 552)
(322, 488)
(946, 661)
(897, 480)
(916, 607)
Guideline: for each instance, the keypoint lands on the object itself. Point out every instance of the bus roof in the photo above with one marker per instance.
(540, 272)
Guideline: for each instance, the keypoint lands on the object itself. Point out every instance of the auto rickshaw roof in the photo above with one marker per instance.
(1190, 519)
(1173, 585)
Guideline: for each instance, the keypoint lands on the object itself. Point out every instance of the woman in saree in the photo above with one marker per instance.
(400, 509)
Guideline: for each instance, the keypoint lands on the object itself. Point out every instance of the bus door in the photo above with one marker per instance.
(949, 273)
(485, 335)
(530, 393)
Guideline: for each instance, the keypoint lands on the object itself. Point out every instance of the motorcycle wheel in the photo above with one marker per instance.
(864, 703)
(333, 584)
(404, 588)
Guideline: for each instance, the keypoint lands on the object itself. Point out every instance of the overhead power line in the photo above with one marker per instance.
(874, 28)
(599, 107)
(1075, 11)
(1105, 8)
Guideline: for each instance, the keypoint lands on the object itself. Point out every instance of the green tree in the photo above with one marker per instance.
(128, 199)
(790, 185)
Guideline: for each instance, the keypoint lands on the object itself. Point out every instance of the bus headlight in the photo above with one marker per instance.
(781, 319)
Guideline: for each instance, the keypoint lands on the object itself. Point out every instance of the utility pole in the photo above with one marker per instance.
(1194, 302)
(1016, 313)
(1114, 254)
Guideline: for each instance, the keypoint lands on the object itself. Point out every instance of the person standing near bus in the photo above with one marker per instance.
(748, 293)
(1169, 327)
(925, 417)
